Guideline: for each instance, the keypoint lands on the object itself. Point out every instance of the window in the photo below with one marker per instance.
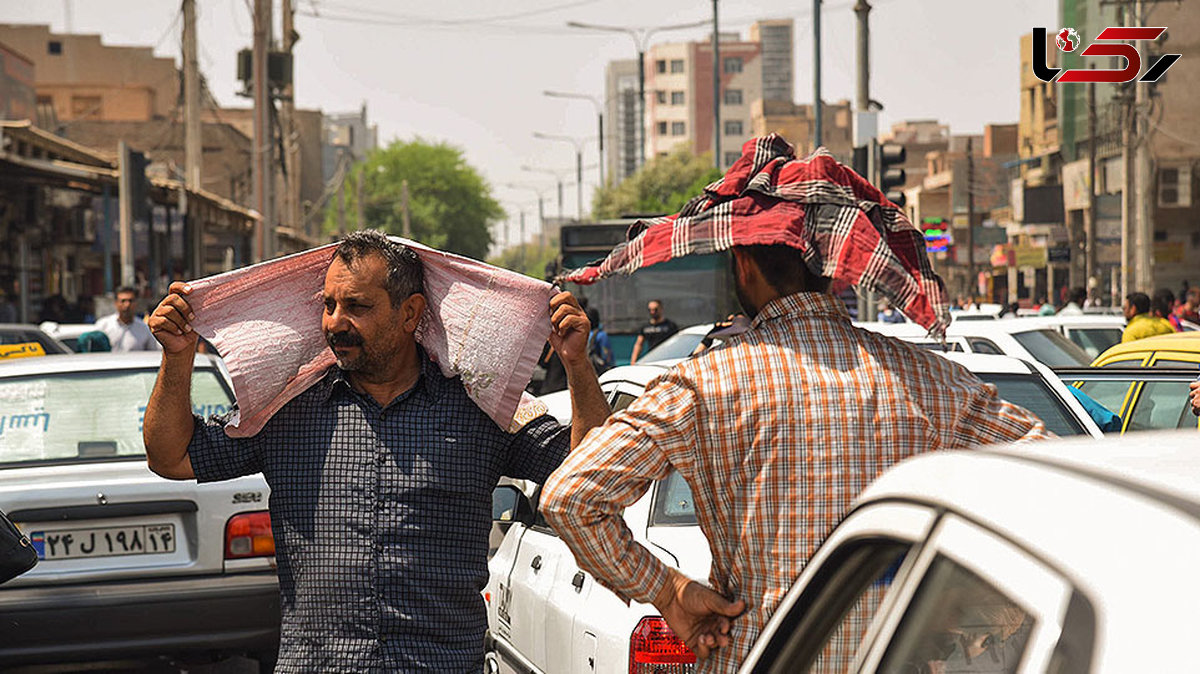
(1095, 340)
(85, 107)
(1162, 404)
(1175, 186)
(733, 64)
(678, 128)
(980, 345)
(1030, 392)
(1052, 349)
(673, 504)
(662, 128)
(733, 127)
(660, 66)
(731, 157)
(1110, 394)
(54, 47)
(676, 98)
(622, 401)
(661, 97)
(733, 97)
(955, 618)
(676, 65)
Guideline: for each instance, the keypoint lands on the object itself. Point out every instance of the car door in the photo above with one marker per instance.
(1145, 398)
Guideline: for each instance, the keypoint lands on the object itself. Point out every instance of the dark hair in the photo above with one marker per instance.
(593, 315)
(405, 275)
(126, 289)
(1139, 301)
(1079, 296)
(1163, 302)
(785, 270)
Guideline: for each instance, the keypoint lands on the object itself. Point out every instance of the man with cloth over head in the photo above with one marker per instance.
(381, 473)
(779, 428)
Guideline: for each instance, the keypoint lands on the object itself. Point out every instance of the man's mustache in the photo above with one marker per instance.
(343, 339)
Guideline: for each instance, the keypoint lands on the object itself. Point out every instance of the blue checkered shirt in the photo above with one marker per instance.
(381, 518)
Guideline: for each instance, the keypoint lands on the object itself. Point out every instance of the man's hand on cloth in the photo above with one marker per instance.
(171, 321)
(571, 328)
(698, 615)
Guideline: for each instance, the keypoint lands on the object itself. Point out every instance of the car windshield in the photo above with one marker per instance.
(1050, 348)
(1032, 393)
(72, 417)
(678, 345)
(1095, 341)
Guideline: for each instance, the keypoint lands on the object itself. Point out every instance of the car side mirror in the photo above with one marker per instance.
(510, 504)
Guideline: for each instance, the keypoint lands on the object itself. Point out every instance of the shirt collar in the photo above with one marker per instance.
(810, 303)
(431, 382)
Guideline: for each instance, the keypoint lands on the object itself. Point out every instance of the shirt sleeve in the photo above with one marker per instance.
(537, 449)
(988, 419)
(584, 500)
(215, 456)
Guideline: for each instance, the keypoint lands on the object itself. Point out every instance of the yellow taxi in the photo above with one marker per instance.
(1145, 381)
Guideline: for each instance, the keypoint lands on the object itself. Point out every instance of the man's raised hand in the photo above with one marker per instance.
(171, 321)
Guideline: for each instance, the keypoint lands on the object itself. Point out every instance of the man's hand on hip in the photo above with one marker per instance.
(698, 615)
(171, 321)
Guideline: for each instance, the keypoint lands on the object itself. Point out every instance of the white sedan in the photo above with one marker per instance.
(547, 615)
(1061, 556)
(1027, 338)
(131, 565)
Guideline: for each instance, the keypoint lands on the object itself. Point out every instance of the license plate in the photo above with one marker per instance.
(104, 541)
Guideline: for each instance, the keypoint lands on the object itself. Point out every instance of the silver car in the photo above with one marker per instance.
(131, 564)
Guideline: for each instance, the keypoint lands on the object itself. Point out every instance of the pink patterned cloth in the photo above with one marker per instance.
(483, 324)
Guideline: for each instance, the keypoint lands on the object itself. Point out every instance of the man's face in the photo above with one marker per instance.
(1193, 300)
(655, 310)
(1127, 309)
(360, 325)
(125, 306)
(748, 306)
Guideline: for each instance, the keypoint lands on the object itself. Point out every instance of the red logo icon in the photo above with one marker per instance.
(1112, 41)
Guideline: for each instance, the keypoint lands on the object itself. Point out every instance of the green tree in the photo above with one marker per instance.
(450, 205)
(663, 185)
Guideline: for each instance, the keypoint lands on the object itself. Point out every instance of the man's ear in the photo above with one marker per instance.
(741, 265)
(411, 310)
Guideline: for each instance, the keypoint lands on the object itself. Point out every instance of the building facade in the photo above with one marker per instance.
(621, 119)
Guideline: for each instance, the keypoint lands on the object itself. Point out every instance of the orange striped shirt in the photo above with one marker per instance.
(776, 432)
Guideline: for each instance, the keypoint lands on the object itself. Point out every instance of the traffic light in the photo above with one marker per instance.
(889, 175)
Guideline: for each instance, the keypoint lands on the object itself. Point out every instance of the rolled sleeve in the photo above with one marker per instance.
(537, 449)
(215, 456)
(584, 500)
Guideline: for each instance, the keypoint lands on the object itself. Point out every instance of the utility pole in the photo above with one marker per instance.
(287, 124)
(359, 193)
(716, 47)
(1089, 234)
(341, 199)
(816, 74)
(1128, 233)
(863, 35)
(406, 230)
(971, 217)
(125, 208)
(521, 242)
(193, 144)
(1144, 187)
(264, 148)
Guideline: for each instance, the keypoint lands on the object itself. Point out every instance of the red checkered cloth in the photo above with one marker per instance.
(844, 225)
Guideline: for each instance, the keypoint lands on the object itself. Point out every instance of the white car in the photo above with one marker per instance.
(67, 333)
(679, 345)
(546, 615)
(1069, 556)
(1027, 338)
(131, 565)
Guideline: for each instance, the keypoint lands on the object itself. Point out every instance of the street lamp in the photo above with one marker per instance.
(599, 116)
(641, 38)
(578, 143)
(541, 206)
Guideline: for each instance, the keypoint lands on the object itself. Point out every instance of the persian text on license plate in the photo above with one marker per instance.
(104, 542)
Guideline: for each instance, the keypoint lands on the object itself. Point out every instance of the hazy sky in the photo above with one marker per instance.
(472, 72)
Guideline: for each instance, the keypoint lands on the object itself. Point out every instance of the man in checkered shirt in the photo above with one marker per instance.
(381, 473)
(776, 431)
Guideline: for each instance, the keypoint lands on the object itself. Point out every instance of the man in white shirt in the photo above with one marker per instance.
(127, 332)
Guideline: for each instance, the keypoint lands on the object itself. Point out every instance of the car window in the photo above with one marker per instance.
(957, 622)
(1191, 365)
(981, 345)
(77, 416)
(1032, 393)
(931, 345)
(1110, 394)
(678, 345)
(1162, 404)
(14, 337)
(1052, 349)
(673, 504)
(1095, 341)
(622, 401)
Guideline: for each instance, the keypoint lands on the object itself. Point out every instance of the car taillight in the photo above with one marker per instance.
(654, 649)
(249, 535)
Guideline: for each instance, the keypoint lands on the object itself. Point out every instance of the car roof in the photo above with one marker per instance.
(982, 363)
(1180, 341)
(1077, 320)
(87, 362)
